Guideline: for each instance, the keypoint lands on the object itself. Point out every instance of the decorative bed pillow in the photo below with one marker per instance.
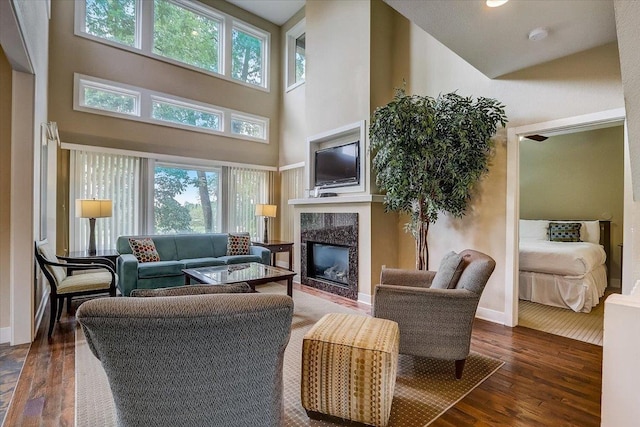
(564, 231)
(238, 244)
(144, 249)
(449, 272)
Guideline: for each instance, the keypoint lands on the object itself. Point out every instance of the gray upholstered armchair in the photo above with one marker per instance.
(435, 323)
(196, 360)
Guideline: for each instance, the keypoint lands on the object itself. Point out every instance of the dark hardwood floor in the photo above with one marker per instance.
(546, 380)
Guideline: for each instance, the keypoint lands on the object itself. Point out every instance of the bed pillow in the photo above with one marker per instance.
(536, 229)
(144, 249)
(564, 231)
(590, 232)
(449, 272)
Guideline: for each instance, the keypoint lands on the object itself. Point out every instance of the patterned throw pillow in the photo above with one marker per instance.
(238, 244)
(564, 231)
(144, 249)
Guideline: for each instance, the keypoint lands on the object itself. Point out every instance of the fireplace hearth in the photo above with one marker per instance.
(329, 252)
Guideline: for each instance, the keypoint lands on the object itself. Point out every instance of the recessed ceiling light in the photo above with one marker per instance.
(538, 34)
(496, 3)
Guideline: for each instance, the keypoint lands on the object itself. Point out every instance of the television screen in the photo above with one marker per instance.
(338, 166)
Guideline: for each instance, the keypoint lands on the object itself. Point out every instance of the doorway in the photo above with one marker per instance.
(573, 124)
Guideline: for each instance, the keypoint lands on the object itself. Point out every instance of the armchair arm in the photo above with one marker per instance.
(263, 253)
(94, 260)
(434, 322)
(80, 266)
(127, 268)
(403, 277)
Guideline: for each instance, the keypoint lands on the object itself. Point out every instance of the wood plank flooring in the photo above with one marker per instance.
(546, 380)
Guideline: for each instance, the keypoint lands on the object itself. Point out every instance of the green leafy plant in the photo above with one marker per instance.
(430, 153)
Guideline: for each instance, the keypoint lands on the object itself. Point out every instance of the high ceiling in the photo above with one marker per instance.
(493, 40)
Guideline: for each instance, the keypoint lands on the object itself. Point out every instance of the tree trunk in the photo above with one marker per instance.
(205, 200)
(422, 251)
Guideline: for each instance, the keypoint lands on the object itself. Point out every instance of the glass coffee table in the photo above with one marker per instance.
(252, 273)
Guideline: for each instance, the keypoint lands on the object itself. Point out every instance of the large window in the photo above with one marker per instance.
(183, 32)
(175, 198)
(110, 98)
(186, 200)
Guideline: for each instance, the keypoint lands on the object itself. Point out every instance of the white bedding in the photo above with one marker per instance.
(562, 258)
(579, 294)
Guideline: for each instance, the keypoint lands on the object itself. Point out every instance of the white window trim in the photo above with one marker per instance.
(290, 64)
(78, 91)
(144, 38)
(144, 109)
(192, 105)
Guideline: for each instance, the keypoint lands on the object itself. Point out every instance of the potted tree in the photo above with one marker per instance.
(430, 153)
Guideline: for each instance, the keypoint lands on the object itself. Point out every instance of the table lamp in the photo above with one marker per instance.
(267, 211)
(92, 209)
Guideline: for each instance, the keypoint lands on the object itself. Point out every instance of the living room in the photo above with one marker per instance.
(352, 70)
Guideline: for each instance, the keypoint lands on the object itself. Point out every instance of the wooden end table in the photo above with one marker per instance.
(276, 246)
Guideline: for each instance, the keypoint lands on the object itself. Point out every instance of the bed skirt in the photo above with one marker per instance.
(579, 294)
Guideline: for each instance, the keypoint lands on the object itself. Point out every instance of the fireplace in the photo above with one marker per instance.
(329, 252)
(328, 262)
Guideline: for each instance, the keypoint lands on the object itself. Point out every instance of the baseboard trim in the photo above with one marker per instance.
(41, 308)
(490, 315)
(364, 298)
(5, 335)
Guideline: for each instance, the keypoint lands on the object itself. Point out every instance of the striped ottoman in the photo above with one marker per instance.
(349, 365)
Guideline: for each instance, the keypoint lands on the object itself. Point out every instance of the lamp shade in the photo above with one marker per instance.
(266, 210)
(93, 208)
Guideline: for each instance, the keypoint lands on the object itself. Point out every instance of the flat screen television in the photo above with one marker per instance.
(338, 166)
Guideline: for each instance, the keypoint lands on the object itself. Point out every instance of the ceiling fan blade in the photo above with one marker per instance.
(538, 138)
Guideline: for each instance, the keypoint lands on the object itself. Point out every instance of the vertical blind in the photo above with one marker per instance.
(104, 176)
(291, 187)
(244, 189)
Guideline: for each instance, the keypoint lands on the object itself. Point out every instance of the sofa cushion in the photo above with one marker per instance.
(449, 271)
(144, 249)
(219, 244)
(230, 288)
(202, 262)
(238, 244)
(239, 259)
(194, 246)
(160, 268)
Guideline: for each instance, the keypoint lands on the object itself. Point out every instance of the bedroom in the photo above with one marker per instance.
(582, 179)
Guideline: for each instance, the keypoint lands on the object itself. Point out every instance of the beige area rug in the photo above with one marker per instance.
(424, 388)
(586, 327)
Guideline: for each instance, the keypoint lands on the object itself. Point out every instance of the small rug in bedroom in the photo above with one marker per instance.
(425, 388)
(586, 327)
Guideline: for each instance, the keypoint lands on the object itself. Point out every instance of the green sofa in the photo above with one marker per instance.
(177, 251)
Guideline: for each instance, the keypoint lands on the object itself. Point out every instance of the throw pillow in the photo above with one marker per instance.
(449, 272)
(564, 231)
(238, 244)
(144, 249)
(232, 288)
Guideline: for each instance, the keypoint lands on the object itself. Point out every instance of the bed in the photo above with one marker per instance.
(563, 263)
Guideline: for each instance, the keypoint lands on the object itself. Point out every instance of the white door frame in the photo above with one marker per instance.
(584, 122)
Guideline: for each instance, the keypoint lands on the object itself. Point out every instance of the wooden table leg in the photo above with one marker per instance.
(290, 286)
(291, 259)
(187, 279)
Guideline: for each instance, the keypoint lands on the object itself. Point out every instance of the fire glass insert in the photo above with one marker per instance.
(329, 262)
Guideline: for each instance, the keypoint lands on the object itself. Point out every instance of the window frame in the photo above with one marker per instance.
(145, 110)
(290, 62)
(144, 38)
(80, 84)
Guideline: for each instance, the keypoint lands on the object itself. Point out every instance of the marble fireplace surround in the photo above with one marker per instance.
(333, 229)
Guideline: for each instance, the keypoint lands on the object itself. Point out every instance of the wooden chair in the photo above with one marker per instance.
(63, 284)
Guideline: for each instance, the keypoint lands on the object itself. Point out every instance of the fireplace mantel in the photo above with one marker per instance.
(362, 198)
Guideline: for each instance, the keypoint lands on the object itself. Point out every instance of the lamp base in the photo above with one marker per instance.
(92, 236)
(265, 237)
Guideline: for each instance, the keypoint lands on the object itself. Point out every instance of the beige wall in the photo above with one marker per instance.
(576, 176)
(73, 54)
(582, 83)
(293, 116)
(5, 185)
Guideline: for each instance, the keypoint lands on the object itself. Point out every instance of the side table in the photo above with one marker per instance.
(111, 254)
(276, 246)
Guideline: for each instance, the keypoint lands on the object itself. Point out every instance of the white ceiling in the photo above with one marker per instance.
(495, 40)
(276, 11)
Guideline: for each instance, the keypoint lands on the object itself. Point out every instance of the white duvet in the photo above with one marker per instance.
(564, 258)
